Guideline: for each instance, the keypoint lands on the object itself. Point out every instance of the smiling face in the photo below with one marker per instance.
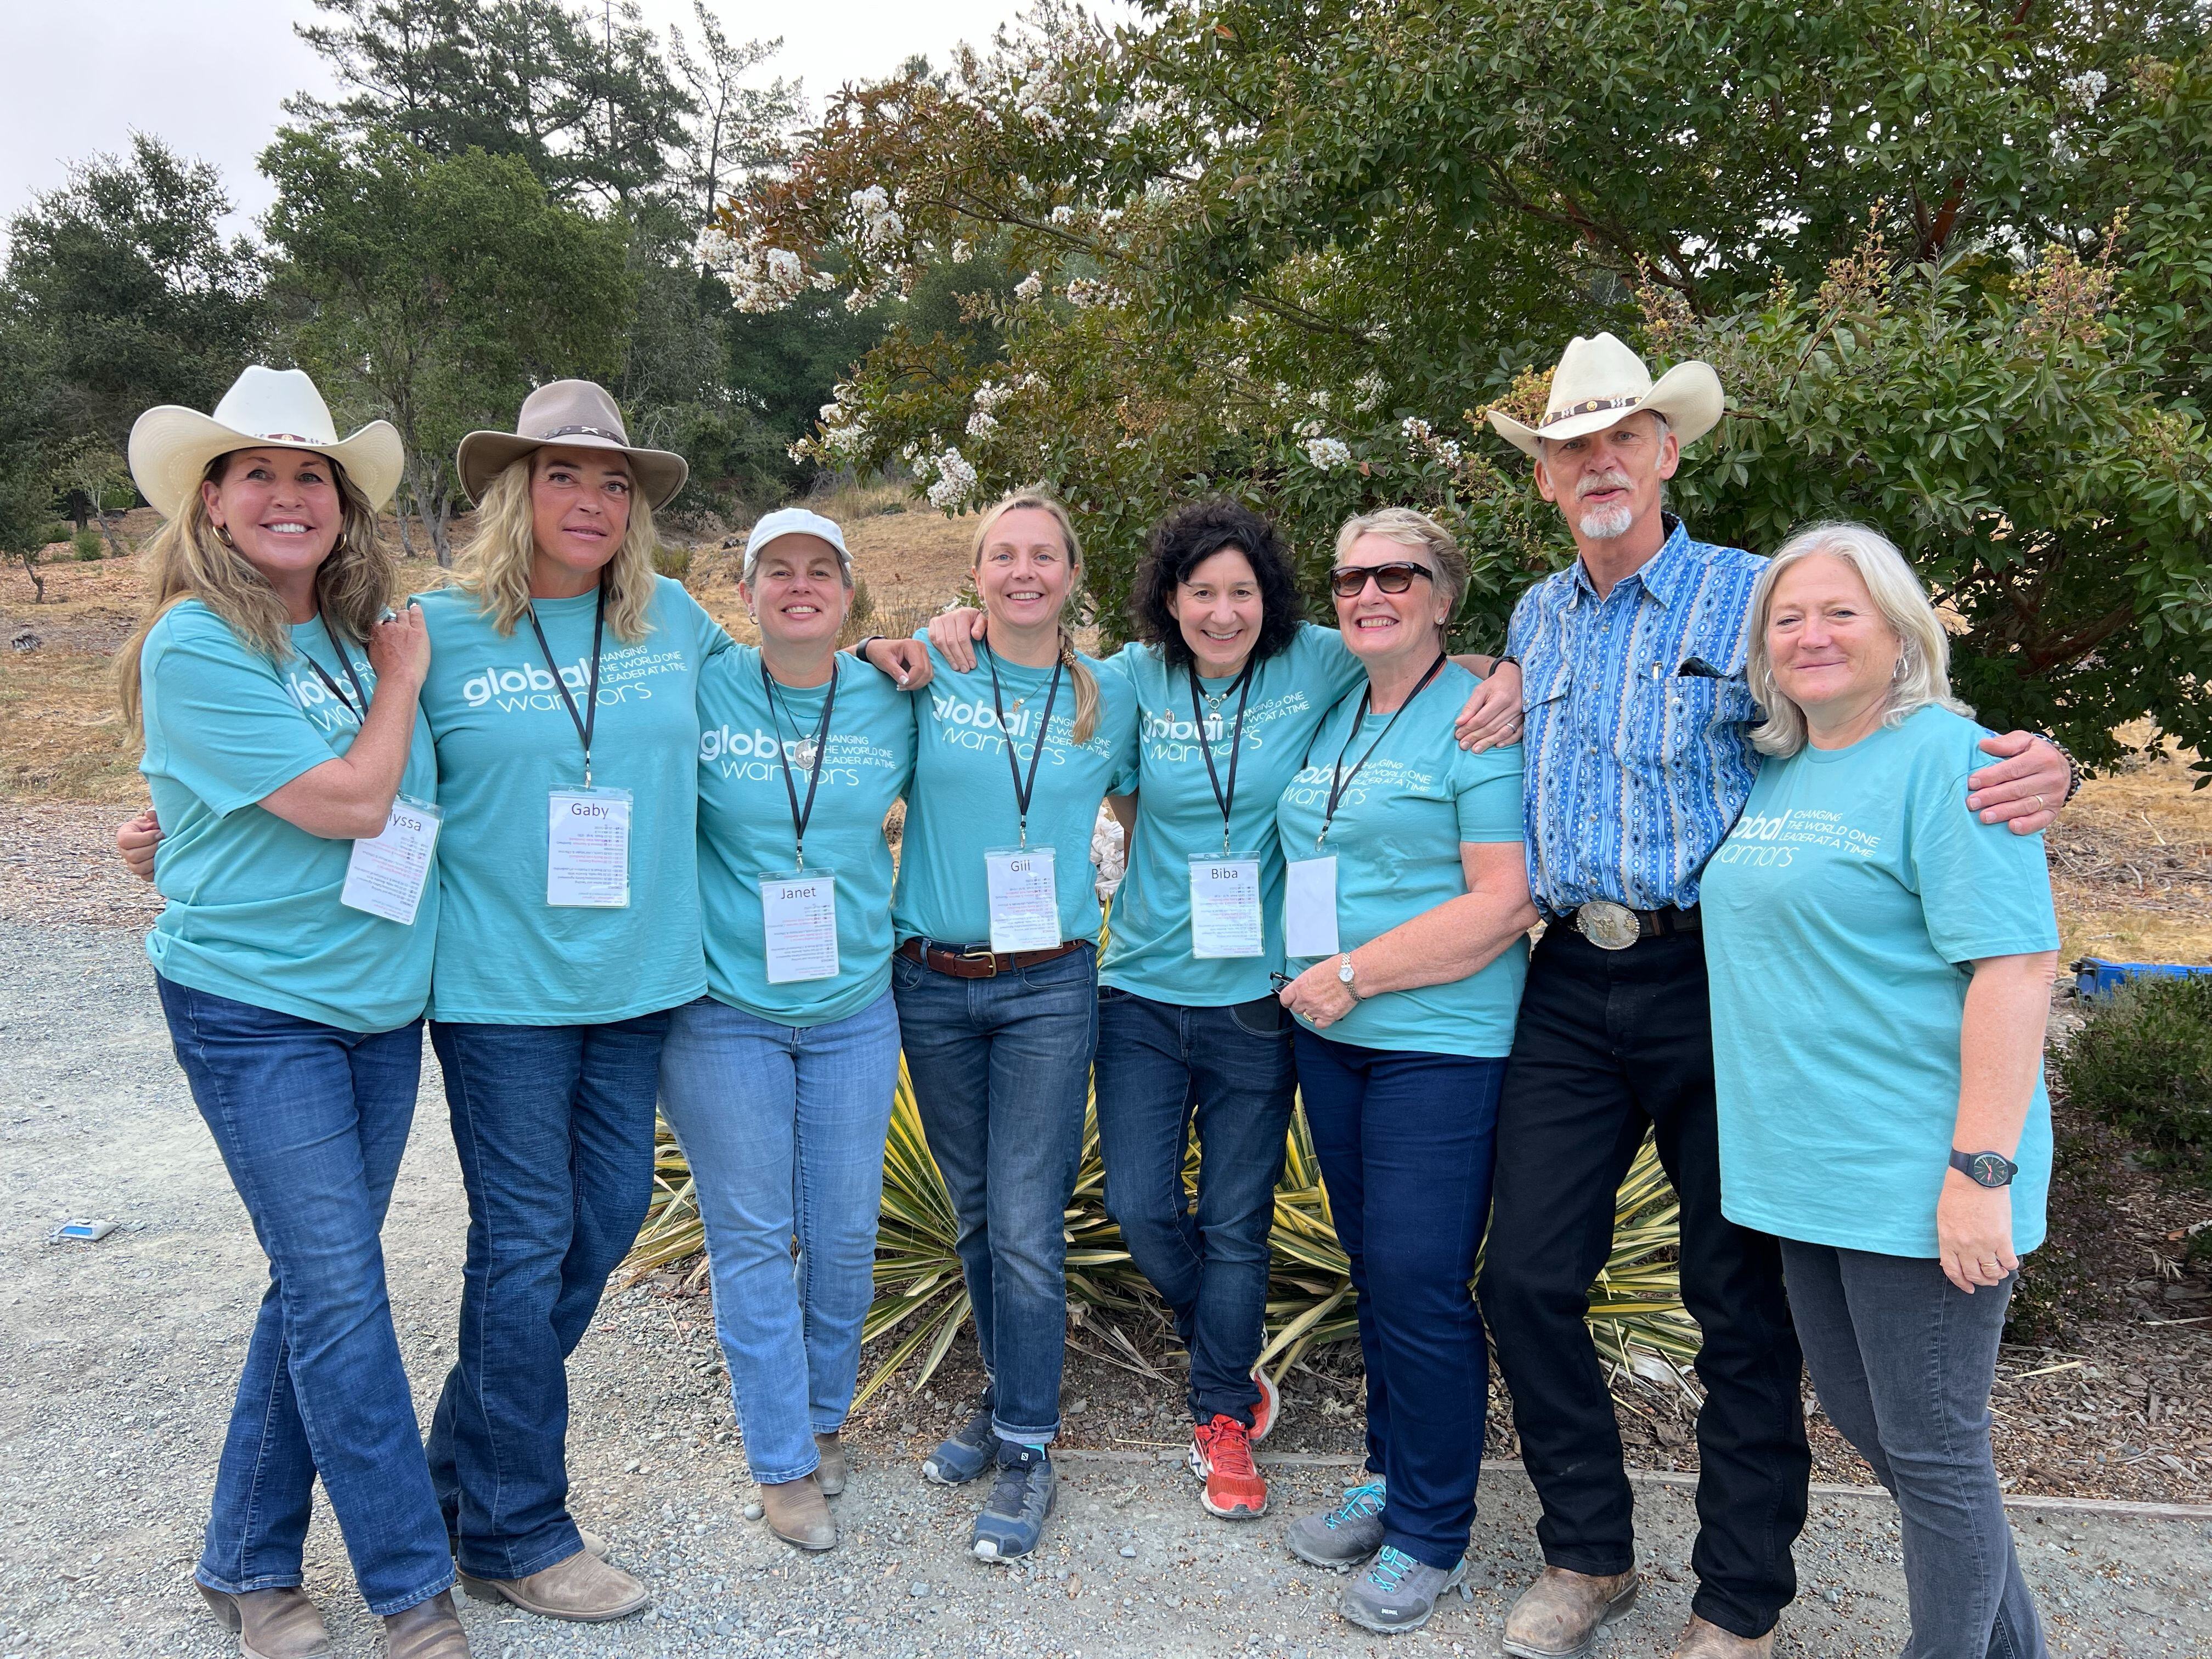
(1219, 609)
(1833, 651)
(1605, 483)
(797, 590)
(280, 508)
(1023, 571)
(1380, 625)
(579, 508)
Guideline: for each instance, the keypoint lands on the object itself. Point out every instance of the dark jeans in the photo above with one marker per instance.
(1903, 1360)
(1000, 1067)
(1159, 1069)
(554, 1127)
(1405, 1142)
(1610, 1044)
(310, 1122)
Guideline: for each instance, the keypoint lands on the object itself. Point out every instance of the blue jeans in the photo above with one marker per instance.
(1903, 1360)
(554, 1127)
(1000, 1068)
(783, 1129)
(1405, 1143)
(1159, 1069)
(310, 1122)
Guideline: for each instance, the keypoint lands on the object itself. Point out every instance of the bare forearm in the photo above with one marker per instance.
(2000, 1048)
(350, 796)
(1457, 937)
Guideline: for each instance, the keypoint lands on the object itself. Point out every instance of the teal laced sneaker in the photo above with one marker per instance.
(1344, 1536)
(1397, 1593)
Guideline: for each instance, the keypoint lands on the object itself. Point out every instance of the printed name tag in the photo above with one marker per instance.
(587, 848)
(1225, 907)
(386, 875)
(799, 912)
(1024, 901)
(1309, 909)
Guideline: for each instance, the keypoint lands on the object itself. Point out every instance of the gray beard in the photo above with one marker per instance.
(1603, 524)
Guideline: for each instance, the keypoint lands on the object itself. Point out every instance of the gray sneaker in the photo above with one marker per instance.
(1346, 1535)
(1398, 1593)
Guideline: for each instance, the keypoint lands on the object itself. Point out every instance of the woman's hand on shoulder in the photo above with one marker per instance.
(2025, 789)
(136, 840)
(954, 633)
(1492, 718)
(399, 650)
(1973, 1232)
(905, 662)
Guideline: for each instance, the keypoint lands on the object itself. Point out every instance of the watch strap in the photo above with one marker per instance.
(1972, 1165)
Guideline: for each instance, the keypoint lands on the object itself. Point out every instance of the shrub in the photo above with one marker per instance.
(90, 543)
(2142, 1061)
(673, 563)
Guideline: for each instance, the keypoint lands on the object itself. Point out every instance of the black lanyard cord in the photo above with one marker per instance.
(1340, 780)
(799, 819)
(585, 722)
(346, 663)
(1024, 793)
(1223, 798)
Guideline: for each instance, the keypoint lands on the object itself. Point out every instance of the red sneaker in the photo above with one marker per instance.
(1270, 1406)
(1221, 1456)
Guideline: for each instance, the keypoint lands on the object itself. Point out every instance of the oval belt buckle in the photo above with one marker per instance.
(1608, 925)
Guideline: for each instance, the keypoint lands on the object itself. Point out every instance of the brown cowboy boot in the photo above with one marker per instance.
(798, 1514)
(830, 1477)
(1559, 1615)
(583, 1589)
(271, 1624)
(1702, 1641)
(429, 1630)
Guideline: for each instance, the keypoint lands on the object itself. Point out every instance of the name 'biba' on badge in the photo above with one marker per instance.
(1224, 890)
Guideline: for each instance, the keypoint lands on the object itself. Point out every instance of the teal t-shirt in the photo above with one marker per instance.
(1178, 816)
(505, 739)
(254, 912)
(1396, 838)
(745, 827)
(1842, 918)
(962, 804)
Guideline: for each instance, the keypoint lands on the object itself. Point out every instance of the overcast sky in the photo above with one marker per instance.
(211, 76)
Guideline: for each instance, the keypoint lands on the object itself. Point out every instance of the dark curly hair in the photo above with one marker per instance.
(1185, 538)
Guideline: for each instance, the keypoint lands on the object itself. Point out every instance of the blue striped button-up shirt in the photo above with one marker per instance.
(1636, 769)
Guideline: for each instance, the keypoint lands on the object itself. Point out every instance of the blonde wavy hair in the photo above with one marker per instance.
(1040, 498)
(1922, 673)
(190, 559)
(1410, 528)
(496, 567)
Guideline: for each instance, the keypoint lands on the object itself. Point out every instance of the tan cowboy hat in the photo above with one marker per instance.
(573, 413)
(171, 445)
(1599, 383)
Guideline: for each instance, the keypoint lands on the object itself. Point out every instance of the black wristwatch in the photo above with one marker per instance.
(1985, 1168)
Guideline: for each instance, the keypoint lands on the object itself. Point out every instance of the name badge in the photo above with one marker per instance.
(386, 874)
(1310, 907)
(1024, 900)
(799, 913)
(587, 848)
(1225, 907)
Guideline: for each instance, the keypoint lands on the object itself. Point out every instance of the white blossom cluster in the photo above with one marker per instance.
(877, 221)
(1421, 436)
(760, 279)
(1327, 454)
(1084, 292)
(844, 427)
(1029, 287)
(956, 480)
(2086, 87)
(1368, 389)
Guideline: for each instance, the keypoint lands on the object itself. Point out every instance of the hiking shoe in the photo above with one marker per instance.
(1346, 1535)
(1270, 1408)
(964, 1454)
(1021, 1500)
(1221, 1456)
(1398, 1593)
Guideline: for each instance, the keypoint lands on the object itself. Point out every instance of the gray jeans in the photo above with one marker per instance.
(1903, 1360)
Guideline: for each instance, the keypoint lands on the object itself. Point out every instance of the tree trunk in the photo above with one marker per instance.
(399, 516)
(435, 522)
(38, 582)
(115, 549)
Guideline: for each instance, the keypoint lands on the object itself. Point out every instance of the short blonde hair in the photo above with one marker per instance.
(496, 566)
(1922, 674)
(1409, 528)
(1038, 497)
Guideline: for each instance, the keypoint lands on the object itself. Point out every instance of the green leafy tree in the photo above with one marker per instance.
(436, 291)
(1291, 251)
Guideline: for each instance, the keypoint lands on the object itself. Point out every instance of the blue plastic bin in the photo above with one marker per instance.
(2095, 977)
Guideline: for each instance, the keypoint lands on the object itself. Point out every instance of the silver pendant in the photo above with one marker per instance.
(803, 751)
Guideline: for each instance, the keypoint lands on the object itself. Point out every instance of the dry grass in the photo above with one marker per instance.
(2131, 864)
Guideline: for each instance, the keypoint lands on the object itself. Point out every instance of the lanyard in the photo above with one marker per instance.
(1223, 798)
(799, 820)
(346, 663)
(1340, 780)
(1024, 793)
(585, 722)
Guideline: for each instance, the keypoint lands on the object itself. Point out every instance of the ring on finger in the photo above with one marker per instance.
(2042, 804)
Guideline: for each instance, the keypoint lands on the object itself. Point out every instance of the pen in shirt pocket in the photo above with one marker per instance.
(1697, 668)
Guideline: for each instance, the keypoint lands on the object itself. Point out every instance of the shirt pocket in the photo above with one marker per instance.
(1701, 710)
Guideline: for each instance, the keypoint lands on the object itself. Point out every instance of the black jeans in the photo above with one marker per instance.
(1159, 1068)
(1611, 1043)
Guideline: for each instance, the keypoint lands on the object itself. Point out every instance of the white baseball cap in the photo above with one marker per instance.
(796, 521)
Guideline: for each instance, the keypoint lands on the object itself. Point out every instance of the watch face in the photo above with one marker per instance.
(1990, 1170)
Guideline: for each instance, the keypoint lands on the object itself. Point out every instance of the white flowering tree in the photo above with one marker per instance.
(1290, 253)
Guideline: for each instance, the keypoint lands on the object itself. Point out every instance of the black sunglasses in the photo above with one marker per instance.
(1346, 581)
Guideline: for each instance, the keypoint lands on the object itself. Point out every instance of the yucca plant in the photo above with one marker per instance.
(1636, 1310)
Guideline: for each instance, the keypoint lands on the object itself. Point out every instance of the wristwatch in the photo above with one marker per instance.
(1344, 974)
(1985, 1168)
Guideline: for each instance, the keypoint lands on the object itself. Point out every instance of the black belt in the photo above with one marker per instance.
(1613, 926)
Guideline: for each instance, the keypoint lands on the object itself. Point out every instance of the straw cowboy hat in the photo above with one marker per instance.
(576, 415)
(1599, 383)
(171, 445)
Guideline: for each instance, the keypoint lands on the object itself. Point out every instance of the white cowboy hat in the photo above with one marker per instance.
(171, 445)
(572, 413)
(1599, 383)
(795, 521)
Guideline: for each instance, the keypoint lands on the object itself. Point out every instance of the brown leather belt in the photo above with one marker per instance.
(1613, 926)
(975, 962)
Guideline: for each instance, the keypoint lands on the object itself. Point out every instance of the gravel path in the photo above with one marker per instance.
(121, 1357)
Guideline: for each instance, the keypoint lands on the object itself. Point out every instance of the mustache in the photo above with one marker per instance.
(1613, 479)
